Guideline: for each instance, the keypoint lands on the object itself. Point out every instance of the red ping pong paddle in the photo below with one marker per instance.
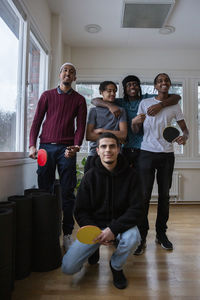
(42, 157)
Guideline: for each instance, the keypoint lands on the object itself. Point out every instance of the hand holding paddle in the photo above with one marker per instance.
(40, 155)
(106, 237)
(181, 140)
(92, 234)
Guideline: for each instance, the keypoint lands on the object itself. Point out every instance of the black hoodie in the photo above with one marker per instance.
(109, 199)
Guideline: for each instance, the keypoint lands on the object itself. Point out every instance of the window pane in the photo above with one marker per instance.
(89, 91)
(9, 30)
(176, 88)
(36, 80)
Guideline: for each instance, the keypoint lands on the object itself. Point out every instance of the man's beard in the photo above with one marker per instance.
(109, 162)
(66, 83)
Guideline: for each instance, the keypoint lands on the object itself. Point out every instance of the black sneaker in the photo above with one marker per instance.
(164, 242)
(94, 258)
(119, 280)
(140, 249)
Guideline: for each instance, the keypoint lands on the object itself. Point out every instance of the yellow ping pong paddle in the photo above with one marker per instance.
(87, 234)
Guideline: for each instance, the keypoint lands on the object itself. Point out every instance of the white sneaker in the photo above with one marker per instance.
(67, 241)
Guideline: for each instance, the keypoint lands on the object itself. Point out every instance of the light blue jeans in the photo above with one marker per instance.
(78, 253)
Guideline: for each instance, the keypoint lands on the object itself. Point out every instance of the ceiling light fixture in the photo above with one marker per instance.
(92, 28)
(166, 30)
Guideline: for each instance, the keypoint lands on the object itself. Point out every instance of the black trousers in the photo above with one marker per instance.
(132, 155)
(161, 164)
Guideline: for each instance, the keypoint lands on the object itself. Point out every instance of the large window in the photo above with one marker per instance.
(10, 25)
(89, 91)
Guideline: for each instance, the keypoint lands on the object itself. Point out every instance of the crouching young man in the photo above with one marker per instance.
(109, 197)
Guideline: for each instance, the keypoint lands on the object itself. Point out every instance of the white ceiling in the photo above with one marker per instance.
(76, 14)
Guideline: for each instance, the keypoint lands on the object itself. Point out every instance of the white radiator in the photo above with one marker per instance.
(175, 188)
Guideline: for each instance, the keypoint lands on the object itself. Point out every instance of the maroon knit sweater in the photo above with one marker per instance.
(61, 111)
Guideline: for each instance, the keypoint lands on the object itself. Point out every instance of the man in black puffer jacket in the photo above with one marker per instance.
(109, 197)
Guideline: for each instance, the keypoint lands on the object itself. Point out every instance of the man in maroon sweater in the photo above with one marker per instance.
(60, 108)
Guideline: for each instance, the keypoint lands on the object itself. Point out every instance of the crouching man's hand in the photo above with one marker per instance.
(106, 237)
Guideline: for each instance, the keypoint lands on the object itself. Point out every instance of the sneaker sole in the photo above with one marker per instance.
(158, 242)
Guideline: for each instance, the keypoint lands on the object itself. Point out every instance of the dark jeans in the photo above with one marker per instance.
(163, 165)
(67, 173)
(132, 155)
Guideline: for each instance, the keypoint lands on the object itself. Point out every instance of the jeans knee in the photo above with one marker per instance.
(68, 267)
(133, 239)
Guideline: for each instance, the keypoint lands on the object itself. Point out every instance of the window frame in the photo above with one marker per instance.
(195, 83)
(45, 62)
(19, 117)
(27, 25)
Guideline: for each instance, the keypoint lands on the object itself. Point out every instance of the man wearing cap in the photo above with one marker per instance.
(60, 108)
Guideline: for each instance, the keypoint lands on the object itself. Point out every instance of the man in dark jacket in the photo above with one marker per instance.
(109, 197)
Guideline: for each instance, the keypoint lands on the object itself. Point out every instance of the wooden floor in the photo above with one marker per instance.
(158, 274)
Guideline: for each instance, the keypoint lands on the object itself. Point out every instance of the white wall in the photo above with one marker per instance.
(101, 64)
(122, 61)
(41, 15)
(16, 177)
(57, 49)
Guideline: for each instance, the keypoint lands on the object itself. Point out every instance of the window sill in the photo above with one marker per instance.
(13, 155)
(16, 162)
